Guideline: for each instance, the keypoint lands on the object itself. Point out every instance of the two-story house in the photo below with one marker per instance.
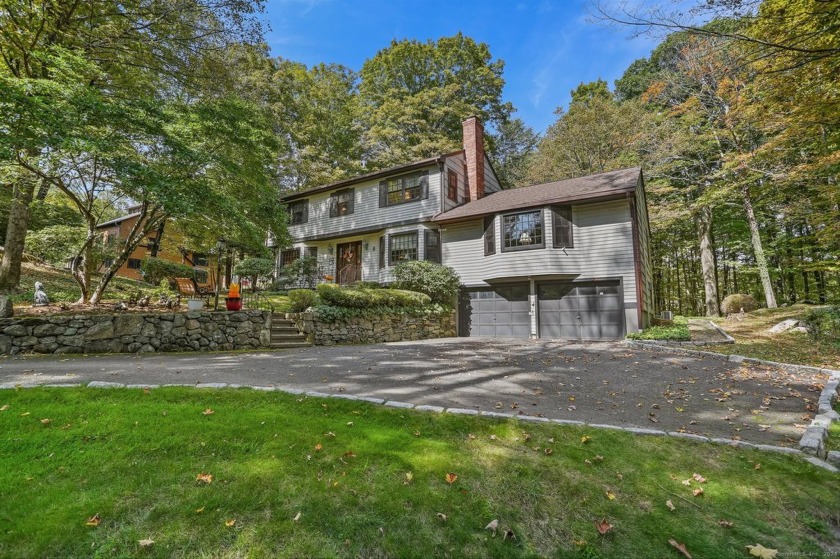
(566, 259)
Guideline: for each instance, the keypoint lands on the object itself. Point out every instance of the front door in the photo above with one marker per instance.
(349, 262)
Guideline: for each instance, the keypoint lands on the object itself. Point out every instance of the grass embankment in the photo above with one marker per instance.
(833, 441)
(678, 331)
(304, 477)
(752, 339)
(281, 302)
(62, 288)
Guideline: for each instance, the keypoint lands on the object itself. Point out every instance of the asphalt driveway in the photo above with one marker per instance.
(605, 383)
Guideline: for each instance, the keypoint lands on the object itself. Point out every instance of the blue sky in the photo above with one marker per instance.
(548, 46)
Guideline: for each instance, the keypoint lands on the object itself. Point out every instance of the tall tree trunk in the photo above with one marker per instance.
(807, 285)
(23, 190)
(758, 249)
(819, 279)
(703, 221)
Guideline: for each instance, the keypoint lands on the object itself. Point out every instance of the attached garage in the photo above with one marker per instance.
(581, 310)
(501, 312)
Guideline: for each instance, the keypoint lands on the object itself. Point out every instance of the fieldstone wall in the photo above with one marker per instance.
(136, 332)
(386, 328)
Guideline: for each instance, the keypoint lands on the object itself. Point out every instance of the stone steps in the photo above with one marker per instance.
(285, 335)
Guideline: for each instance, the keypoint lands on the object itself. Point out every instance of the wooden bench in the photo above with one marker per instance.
(187, 287)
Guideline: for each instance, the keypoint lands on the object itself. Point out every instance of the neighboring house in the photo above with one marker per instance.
(154, 245)
(566, 259)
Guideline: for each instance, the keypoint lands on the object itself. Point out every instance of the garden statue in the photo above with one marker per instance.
(41, 299)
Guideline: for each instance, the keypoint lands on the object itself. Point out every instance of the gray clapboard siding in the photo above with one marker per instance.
(455, 163)
(644, 247)
(491, 182)
(603, 239)
(367, 213)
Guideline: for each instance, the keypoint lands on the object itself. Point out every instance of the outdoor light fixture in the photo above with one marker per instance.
(330, 249)
(367, 245)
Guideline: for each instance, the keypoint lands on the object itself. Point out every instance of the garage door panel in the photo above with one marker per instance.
(499, 312)
(581, 310)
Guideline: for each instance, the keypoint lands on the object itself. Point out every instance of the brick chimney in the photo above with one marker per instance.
(474, 155)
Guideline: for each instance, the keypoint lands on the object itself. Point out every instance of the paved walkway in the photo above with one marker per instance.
(604, 383)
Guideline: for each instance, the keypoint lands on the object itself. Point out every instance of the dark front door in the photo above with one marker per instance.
(581, 310)
(501, 312)
(349, 262)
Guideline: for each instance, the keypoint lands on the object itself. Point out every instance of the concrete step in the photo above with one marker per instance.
(288, 345)
(284, 329)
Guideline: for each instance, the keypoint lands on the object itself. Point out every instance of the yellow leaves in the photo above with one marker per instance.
(230, 523)
(199, 511)
(603, 526)
(680, 547)
(206, 479)
(409, 477)
(208, 411)
(5, 407)
(93, 521)
(610, 495)
(318, 447)
(757, 467)
(451, 478)
(762, 552)
(585, 439)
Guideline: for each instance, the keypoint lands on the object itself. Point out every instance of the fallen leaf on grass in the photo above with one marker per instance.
(585, 439)
(208, 411)
(725, 523)
(757, 467)
(297, 517)
(698, 492)
(610, 495)
(698, 478)
(509, 535)
(470, 437)
(441, 516)
(5, 407)
(494, 525)
(451, 478)
(686, 482)
(230, 523)
(759, 550)
(409, 477)
(204, 478)
(24, 414)
(603, 526)
(680, 547)
(46, 421)
(492, 437)
(350, 423)
(318, 447)
(93, 521)
(548, 451)
(199, 511)
(146, 543)
(670, 505)
(349, 454)
(526, 436)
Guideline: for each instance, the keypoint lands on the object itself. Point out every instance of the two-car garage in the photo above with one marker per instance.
(591, 310)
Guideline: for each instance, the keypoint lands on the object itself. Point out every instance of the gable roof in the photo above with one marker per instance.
(117, 221)
(368, 176)
(602, 185)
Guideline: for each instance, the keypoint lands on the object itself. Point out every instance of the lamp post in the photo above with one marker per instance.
(221, 245)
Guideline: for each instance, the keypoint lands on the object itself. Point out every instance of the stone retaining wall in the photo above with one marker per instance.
(136, 332)
(387, 328)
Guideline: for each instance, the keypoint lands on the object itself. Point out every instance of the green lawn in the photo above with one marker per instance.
(306, 477)
(833, 441)
(281, 303)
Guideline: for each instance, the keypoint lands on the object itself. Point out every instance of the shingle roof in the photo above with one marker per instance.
(570, 190)
(117, 221)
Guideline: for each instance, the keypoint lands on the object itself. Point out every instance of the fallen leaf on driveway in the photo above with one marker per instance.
(759, 550)
(680, 547)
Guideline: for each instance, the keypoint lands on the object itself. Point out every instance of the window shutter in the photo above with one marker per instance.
(351, 200)
(333, 206)
(563, 236)
(431, 243)
(383, 194)
(424, 185)
(489, 235)
(382, 251)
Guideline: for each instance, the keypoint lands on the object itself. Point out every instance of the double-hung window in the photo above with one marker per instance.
(489, 235)
(431, 239)
(289, 256)
(522, 231)
(403, 247)
(299, 212)
(452, 185)
(342, 202)
(403, 189)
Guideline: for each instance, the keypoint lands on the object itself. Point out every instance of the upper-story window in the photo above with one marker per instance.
(563, 234)
(522, 231)
(298, 212)
(403, 248)
(342, 202)
(452, 185)
(402, 189)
